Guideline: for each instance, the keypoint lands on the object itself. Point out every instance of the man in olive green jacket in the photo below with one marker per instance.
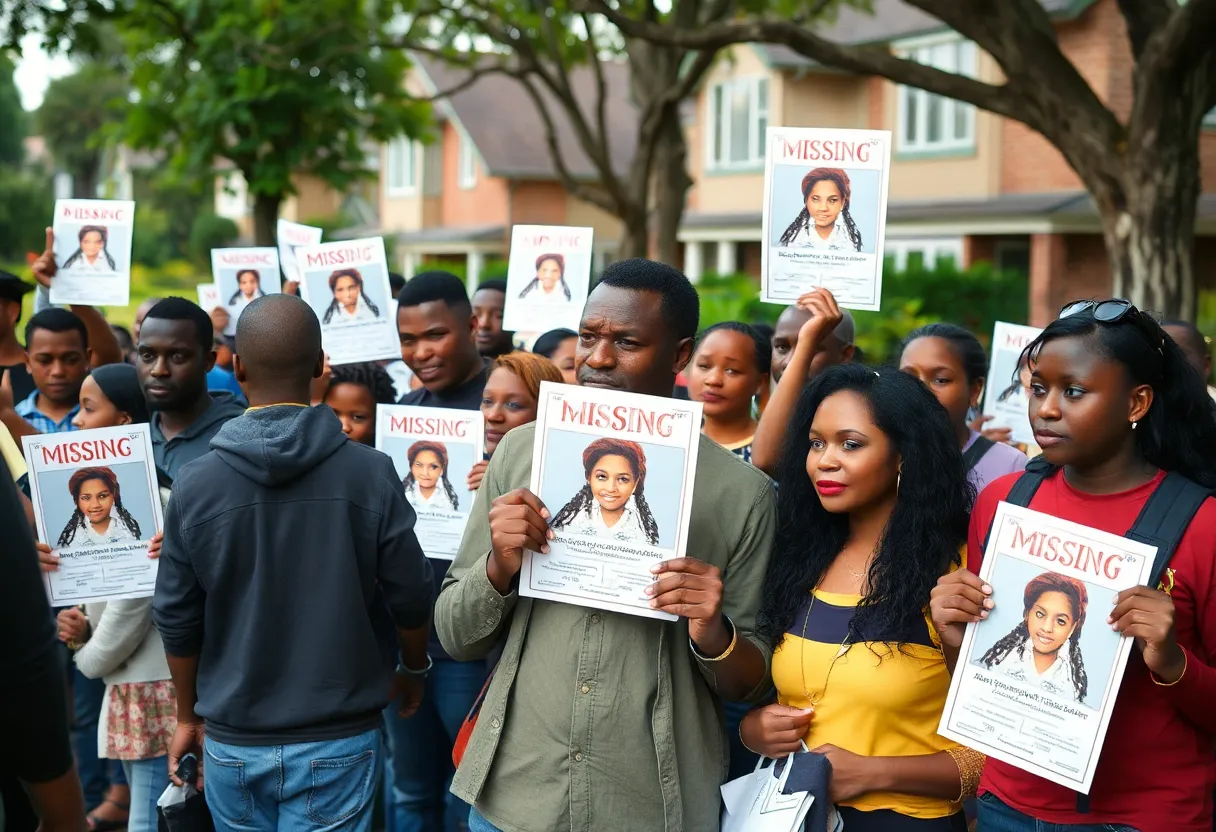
(598, 720)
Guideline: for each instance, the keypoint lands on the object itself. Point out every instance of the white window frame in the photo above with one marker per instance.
(931, 250)
(758, 118)
(401, 167)
(920, 49)
(1209, 120)
(466, 167)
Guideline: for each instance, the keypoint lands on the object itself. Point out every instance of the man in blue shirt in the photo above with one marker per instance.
(57, 344)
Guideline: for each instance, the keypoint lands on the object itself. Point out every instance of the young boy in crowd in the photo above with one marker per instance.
(305, 544)
(488, 303)
(174, 353)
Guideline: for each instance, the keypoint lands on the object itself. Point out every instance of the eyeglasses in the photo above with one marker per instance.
(1114, 310)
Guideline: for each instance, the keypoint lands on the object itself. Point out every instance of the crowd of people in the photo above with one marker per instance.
(301, 646)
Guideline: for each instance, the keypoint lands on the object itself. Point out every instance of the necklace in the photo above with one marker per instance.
(844, 648)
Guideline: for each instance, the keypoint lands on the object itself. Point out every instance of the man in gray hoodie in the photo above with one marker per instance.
(289, 556)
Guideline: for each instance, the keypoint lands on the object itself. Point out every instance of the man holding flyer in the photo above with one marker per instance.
(546, 756)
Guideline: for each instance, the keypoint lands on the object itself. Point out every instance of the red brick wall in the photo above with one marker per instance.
(976, 249)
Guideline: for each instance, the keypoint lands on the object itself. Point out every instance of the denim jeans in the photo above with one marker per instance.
(742, 761)
(422, 750)
(148, 780)
(479, 824)
(313, 786)
(96, 773)
(996, 816)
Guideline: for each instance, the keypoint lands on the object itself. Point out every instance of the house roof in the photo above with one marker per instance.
(500, 118)
(890, 20)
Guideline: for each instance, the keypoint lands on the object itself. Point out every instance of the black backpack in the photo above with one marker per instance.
(976, 452)
(1162, 522)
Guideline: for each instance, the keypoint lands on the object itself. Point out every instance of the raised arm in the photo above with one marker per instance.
(770, 433)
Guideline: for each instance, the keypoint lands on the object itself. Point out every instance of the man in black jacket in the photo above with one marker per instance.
(289, 554)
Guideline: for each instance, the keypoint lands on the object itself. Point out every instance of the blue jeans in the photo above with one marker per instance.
(742, 761)
(148, 780)
(422, 750)
(996, 816)
(479, 824)
(96, 774)
(315, 786)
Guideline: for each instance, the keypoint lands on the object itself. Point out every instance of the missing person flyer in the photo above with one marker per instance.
(97, 503)
(825, 214)
(616, 472)
(243, 275)
(1036, 680)
(291, 236)
(434, 449)
(208, 297)
(346, 284)
(1007, 391)
(547, 277)
(93, 252)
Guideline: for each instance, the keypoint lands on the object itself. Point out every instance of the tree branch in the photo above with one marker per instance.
(1145, 18)
(1188, 36)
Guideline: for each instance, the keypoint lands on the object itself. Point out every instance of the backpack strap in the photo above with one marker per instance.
(1165, 518)
(975, 453)
(1026, 486)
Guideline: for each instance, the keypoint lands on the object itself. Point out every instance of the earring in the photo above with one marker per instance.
(1135, 425)
(898, 476)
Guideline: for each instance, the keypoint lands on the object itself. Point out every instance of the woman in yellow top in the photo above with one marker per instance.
(873, 509)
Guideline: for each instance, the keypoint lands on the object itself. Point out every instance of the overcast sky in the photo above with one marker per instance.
(35, 69)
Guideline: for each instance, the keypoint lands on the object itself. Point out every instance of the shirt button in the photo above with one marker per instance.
(586, 688)
(495, 724)
(595, 619)
(578, 756)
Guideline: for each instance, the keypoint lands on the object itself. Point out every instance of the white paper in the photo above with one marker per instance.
(100, 532)
(292, 236)
(434, 448)
(795, 254)
(93, 252)
(1043, 719)
(1007, 390)
(208, 297)
(242, 275)
(547, 277)
(346, 284)
(613, 520)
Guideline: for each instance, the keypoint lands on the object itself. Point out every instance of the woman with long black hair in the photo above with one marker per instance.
(872, 510)
(1115, 406)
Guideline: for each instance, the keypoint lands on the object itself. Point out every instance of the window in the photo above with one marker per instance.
(400, 167)
(1209, 120)
(931, 122)
(924, 251)
(738, 118)
(467, 169)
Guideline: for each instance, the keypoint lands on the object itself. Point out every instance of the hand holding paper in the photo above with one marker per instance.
(690, 588)
(825, 317)
(775, 730)
(1147, 615)
(518, 520)
(959, 599)
(44, 267)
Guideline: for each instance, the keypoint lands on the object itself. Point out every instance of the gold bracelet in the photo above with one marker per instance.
(970, 766)
(730, 648)
(1153, 675)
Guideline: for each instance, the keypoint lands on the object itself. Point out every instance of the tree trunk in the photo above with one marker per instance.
(635, 239)
(671, 184)
(84, 179)
(265, 218)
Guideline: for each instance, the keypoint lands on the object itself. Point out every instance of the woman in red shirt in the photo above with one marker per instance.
(1115, 405)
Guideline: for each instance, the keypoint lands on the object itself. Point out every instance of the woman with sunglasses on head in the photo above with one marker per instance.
(1115, 406)
(872, 510)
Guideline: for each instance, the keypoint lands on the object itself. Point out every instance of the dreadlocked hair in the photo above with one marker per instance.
(923, 535)
(1179, 431)
(441, 451)
(583, 500)
(365, 374)
(354, 275)
(1019, 638)
(803, 221)
(77, 521)
(561, 267)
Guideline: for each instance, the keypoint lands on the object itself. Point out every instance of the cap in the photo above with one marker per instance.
(13, 287)
(845, 331)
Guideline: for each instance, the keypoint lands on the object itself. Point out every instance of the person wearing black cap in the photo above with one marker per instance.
(12, 355)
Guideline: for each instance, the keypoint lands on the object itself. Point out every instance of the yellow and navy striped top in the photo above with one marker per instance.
(880, 702)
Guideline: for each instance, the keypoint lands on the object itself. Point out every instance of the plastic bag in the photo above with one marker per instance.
(184, 808)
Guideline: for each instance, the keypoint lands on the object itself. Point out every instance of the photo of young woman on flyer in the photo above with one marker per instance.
(99, 517)
(550, 278)
(92, 255)
(428, 463)
(613, 502)
(351, 303)
(1044, 649)
(824, 222)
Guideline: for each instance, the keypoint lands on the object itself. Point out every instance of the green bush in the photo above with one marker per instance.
(211, 231)
(26, 209)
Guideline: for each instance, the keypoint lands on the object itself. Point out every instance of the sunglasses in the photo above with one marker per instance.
(1114, 310)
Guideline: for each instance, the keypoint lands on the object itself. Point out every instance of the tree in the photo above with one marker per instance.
(545, 46)
(12, 116)
(1142, 172)
(75, 113)
(277, 88)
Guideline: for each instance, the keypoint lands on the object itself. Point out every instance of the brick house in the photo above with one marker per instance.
(488, 168)
(965, 184)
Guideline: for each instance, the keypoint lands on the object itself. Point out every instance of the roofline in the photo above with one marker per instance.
(448, 107)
